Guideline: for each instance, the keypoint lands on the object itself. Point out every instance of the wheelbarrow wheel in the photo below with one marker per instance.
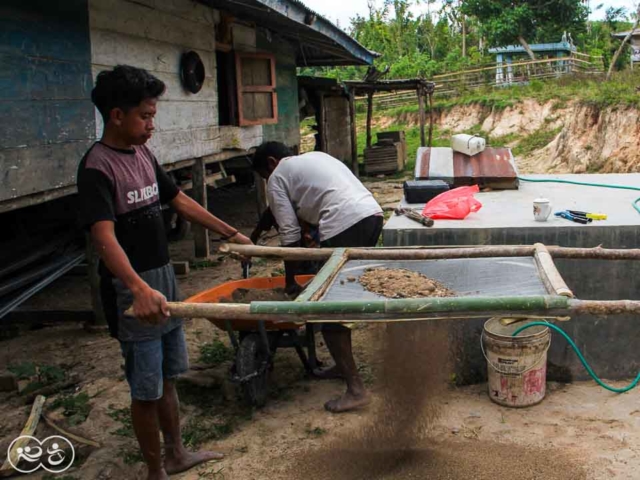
(252, 367)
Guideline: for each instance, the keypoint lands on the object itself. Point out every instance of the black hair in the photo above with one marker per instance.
(276, 150)
(124, 87)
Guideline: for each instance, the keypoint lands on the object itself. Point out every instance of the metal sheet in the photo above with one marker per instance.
(493, 167)
(497, 277)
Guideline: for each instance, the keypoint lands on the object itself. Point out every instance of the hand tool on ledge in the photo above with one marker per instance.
(414, 215)
(573, 218)
(593, 216)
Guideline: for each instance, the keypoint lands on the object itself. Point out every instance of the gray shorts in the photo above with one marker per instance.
(152, 353)
(149, 363)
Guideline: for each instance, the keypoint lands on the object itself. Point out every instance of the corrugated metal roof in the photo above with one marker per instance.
(536, 47)
(493, 167)
(636, 32)
(318, 41)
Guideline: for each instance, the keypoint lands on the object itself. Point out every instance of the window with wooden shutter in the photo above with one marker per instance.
(257, 97)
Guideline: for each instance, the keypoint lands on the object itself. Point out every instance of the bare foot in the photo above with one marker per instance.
(189, 460)
(327, 373)
(347, 402)
(161, 475)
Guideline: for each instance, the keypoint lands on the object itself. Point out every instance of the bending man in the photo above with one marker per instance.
(320, 190)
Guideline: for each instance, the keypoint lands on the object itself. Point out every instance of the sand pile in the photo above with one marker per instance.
(402, 283)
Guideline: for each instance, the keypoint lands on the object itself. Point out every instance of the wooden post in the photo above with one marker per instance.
(93, 261)
(423, 141)
(354, 135)
(431, 119)
(261, 193)
(369, 117)
(322, 120)
(200, 234)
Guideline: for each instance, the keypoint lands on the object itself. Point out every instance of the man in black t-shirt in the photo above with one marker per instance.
(121, 188)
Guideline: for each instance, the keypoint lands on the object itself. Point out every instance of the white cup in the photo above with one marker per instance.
(541, 209)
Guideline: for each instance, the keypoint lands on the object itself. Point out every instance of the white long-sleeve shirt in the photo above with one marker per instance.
(320, 190)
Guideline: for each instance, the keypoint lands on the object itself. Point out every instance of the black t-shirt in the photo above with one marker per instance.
(127, 187)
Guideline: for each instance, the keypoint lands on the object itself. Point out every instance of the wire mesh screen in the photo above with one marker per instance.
(480, 277)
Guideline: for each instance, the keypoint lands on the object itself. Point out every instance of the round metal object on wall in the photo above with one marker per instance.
(192, 71)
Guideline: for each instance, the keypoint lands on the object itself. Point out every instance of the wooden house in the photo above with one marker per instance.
(635, 45)
(249, 50)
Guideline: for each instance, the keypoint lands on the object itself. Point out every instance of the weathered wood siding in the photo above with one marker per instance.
(153, 34)
(287, 130)
(46, 117)
(51, 53)
(337, 127)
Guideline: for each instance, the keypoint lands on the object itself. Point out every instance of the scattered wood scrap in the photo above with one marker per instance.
(28, 430)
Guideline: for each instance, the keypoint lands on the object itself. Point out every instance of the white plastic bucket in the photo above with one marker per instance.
(517, 366)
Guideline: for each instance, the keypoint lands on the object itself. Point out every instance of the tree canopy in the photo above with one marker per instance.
(451, 35)
(505, 22)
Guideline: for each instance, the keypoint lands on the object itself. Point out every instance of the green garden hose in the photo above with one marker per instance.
(582, 359)
(584, 184)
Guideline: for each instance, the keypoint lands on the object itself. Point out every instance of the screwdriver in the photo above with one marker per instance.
(593, 216)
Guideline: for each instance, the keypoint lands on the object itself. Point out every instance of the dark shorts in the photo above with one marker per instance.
(149, 363)
(365, 233)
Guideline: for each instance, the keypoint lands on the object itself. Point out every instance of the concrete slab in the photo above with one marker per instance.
(507, 219)
(514, 208)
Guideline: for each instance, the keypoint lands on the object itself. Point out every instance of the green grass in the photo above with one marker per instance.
(201, 429)
(587, 90)
(537, 140)
(39, 375)
(203, 264)
(131, 455)
(75, 407)
(315, 432)
(24, 370)
(215, 353)
(122, 415)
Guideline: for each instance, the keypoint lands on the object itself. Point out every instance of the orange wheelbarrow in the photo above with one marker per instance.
(255, 343)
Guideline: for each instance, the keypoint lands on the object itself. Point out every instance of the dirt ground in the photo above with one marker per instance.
(579, 431)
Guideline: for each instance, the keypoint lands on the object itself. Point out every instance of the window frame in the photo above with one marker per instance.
(242, 89)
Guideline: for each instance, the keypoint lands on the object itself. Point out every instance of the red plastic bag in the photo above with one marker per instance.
(455, 204)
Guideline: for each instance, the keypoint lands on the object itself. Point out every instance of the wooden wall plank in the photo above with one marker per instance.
(37, 169)
(244, 38)
(140, 20)
(42, 122)
(171, 147)
(186, 123)
(174, 89)
(108, 48)
(35, 78)
(46, 117)
(45, 29)
(186, 10)
(241, 138)
(338, 127)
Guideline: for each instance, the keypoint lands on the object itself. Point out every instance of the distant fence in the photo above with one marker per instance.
(495, 75)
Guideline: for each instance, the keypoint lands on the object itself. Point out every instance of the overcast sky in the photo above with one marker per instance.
(342, 10)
